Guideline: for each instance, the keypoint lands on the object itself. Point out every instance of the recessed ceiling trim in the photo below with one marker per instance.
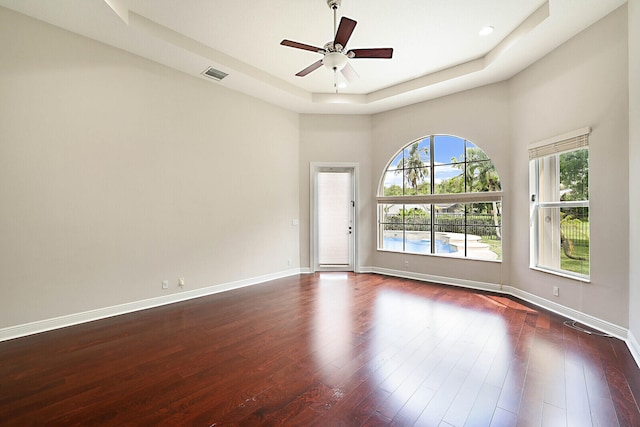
(532, 21)
(154, 31)
(204, 51)
(168, 35)
(120, 9)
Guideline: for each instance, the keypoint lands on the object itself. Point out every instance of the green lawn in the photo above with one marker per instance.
(577, 266)
(495, 246)
(578, 233)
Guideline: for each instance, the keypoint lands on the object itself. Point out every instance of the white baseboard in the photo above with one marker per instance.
(492, 287)
(578, 316)
(102, 313)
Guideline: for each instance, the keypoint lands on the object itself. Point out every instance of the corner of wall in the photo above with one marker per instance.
(634, 174)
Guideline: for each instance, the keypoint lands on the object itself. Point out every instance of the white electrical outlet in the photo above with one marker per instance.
(165, 284)
(181, 282)
(406, 264)
(556, 291)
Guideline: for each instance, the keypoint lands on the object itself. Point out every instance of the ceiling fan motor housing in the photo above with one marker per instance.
(331, 47)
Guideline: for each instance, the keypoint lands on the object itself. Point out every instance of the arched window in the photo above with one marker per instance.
(441, 195)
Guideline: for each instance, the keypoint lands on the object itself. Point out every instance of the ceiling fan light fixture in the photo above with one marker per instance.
(335, 61)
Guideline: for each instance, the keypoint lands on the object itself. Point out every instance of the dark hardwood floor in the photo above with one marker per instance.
(331, 349)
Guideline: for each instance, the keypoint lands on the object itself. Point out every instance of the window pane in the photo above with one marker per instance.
(574, 238)
(392, 227)
(423, 151)
(549, 238)
(417, 222)
(448, 149)
(417, 217)
(414, 168)
(393, 183)
(563, 239)
(449, 178)
(449, 226)
(396, 162)
(416, 181)
(484, 230)
(548, 179)
(574, 175)
(416, 154)
(482, 176)
(406, 228)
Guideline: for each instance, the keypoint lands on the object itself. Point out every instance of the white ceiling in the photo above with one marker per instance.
(437, 49)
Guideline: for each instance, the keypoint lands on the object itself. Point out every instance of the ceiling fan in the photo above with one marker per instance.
(335, 54)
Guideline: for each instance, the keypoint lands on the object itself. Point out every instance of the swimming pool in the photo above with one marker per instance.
(422, 246)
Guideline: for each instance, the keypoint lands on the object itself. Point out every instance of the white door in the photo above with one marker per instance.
(334, 221)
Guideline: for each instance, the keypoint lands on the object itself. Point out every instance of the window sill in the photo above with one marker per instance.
(443, 255)
(583, 279)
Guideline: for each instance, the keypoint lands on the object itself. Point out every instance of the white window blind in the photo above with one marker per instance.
(560, 144)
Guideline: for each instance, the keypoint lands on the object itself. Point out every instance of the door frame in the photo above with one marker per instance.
(315, 168)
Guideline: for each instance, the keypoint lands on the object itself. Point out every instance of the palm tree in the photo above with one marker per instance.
(413, 167)
(480, 167)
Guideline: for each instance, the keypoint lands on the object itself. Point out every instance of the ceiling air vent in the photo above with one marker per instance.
(214, 74)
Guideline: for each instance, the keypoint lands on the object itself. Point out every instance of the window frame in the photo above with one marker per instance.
(554, 147)
(431, 199)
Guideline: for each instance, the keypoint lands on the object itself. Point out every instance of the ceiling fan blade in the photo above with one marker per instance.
(345, 29)
(349, 73)
(383, 52)
(310, 68)
(303, 46)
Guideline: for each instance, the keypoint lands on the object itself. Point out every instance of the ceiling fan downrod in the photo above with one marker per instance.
(334, 5)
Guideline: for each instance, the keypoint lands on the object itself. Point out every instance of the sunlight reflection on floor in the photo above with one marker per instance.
(332, 324)
(421, 344)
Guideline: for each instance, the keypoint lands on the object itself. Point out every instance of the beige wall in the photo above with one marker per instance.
(117, 173)
(634, 167)
(346, 139)
(582, 83)
(479, 115)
